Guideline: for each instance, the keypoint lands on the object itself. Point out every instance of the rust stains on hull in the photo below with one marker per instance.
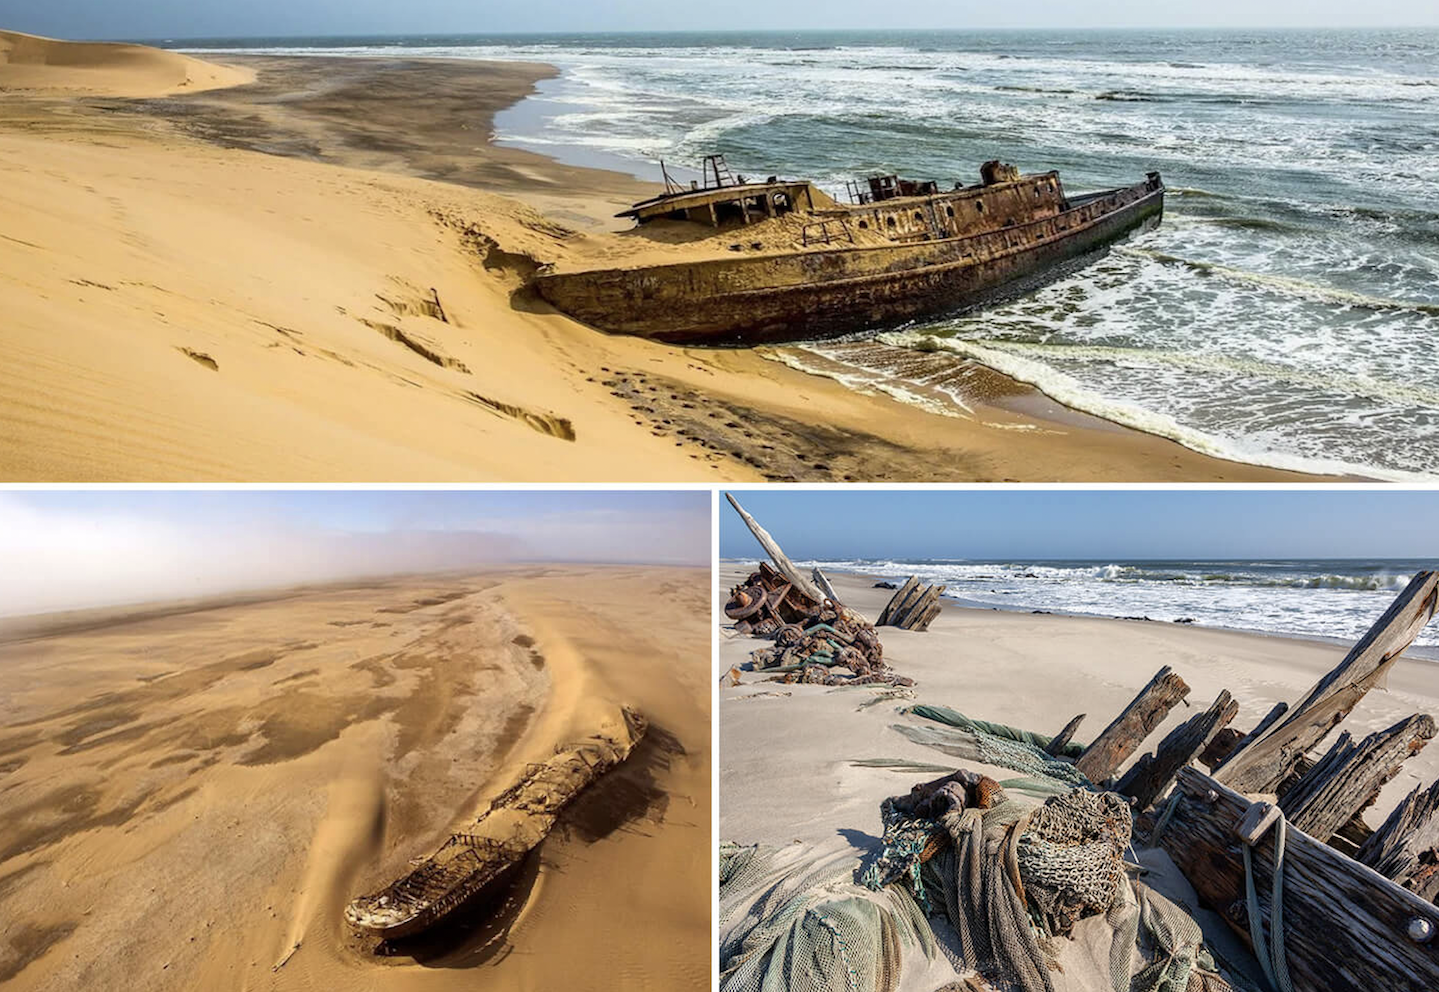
(836, 291)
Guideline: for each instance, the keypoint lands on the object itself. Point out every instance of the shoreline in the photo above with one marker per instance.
(339, 158)
(734, 570)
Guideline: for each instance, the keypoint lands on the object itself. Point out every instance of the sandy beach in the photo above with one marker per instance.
(191, 790)
(320, 275)
(1029, 671)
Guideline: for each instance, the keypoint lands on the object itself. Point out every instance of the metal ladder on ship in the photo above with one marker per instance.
(715, 166)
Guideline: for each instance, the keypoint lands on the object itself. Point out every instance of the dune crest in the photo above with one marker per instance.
(30, 62)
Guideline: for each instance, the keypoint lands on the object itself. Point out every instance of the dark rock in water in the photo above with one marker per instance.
(1146, 619)
(1047, 613)
(1185, 620)
(885, 585)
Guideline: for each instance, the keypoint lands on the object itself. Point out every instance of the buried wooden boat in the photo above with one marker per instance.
(479, 861)
(902, 249)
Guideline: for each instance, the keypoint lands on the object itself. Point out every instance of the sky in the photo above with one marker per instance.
(159, 19)
(1048, 524)
(78, 549)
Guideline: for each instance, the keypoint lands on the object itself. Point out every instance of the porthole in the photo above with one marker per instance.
(918, 215)
(979, 206)
(864, 225)
(949, 210)
(889, 221)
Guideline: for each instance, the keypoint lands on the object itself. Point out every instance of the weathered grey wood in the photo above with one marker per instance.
(1265, 761)
(914, 612)
(1344, 924)
(1220, 746)
(1150, 776)
(1057, 743)
(904, 591)
(1280, 708)
(928, 618)
(1347, 780)
(1122, 737)
(786, 567)
(822, 582)
(1406, 847)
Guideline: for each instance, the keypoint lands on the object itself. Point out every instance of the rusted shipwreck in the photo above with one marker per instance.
(478, 862)
(900, 249)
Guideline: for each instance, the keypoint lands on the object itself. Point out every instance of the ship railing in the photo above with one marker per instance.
(823, 232)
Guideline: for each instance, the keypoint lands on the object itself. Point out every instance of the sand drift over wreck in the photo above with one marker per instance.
(478, 861)
(811, 267)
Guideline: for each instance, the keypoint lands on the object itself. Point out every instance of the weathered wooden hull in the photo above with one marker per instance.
(829, 293)
(471, 867)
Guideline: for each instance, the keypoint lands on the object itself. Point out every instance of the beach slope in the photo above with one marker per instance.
(47, 65)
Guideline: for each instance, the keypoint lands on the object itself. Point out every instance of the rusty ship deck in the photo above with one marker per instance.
(901, 252)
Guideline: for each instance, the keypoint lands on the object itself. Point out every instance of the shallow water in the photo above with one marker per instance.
(1285, 312)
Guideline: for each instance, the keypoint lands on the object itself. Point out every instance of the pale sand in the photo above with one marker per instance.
(29, 63)
(225, 287)
(784, 771)
(189, 791)
(786, 750)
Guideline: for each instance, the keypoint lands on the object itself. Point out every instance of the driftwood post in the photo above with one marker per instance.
(1406, 847)
(1265, 761)
(1150, 776)
(1346, 927)
(1122, 737)
(822, 581)
(1347, 780)
(910, 585)
(1058, 741)
(1280, 708)
(786, 567)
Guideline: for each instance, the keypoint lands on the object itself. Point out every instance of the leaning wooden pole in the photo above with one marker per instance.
(786, 567)
(1267, 760)
(1151, 776)
(1122, 738)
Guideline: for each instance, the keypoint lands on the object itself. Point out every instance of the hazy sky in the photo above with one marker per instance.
(1031, 524)
(202, 18)
(65, 550)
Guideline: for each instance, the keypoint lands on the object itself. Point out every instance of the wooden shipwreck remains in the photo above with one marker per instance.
(478, 861)
(1122, 738)
(913, 607)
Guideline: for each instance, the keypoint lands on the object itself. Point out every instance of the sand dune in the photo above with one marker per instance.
(191, 798)
(32, 63)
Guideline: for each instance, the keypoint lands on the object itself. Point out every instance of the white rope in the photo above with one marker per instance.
(1271, 958)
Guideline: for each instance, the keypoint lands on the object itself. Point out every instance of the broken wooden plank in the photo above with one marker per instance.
(786, 567)
(1280, 708)
(900, 599)
(822, 582)
(1122, 738)
(1265, 761)
(1058, 741)
(1406, 847)
(922, 624)
(1150, 776)
(1345, 926)
(910, 616)
(1347, 780)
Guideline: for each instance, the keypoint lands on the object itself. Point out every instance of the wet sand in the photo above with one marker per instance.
(321, 276)
(191, 792)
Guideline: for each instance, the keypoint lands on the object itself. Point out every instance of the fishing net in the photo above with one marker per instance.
(1024, 881)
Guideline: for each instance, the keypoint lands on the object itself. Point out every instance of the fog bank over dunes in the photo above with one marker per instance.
(69, 551)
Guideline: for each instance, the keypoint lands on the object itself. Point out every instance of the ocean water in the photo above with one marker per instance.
(1317, 598)
(1285, 313)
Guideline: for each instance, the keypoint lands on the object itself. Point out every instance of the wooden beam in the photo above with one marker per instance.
(929, 616)
(916, 611)
(1345, 925)
(1347, 780)
(1265, 761)
(909, 586)
(1058, 741)
(1122, 738)
(1280, 708)
(786, 567)
(1150, 776)
(822, 582)
(1406, 847)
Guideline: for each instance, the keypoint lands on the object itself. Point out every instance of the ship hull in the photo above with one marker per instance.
(821, 294)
